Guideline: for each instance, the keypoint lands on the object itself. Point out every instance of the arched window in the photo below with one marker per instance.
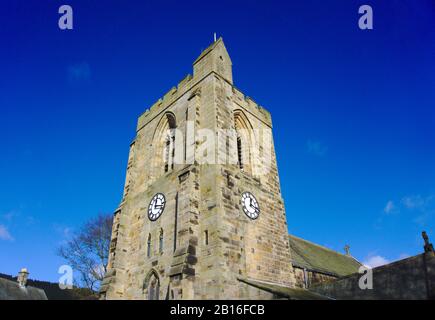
(169, 150)
(161, 241)
(149, 246)
(164, 144)
(244, 141)
(152, 286)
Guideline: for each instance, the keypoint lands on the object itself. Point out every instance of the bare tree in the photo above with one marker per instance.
(87, 251)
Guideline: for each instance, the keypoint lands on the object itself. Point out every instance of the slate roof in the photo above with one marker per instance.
(52, 290)
(314, 257)
(284, 292)
(11, 290)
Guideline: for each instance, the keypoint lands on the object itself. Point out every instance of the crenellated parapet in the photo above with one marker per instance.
(168, 98)
(186, 85)
(251, 106)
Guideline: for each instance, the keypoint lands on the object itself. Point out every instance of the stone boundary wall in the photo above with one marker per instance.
(408, 279)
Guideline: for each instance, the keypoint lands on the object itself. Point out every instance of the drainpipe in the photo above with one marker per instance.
(305, 278)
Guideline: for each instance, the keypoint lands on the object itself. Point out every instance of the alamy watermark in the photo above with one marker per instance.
(250, 149)
(66, 278)
(365, 22)
(366, 280)
(65, 21)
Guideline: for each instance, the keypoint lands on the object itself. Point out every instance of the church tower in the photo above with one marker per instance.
(202, 215)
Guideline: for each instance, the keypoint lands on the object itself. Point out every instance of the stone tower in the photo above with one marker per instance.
(202, 213)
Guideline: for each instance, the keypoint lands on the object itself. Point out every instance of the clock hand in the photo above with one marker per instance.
(254, 206)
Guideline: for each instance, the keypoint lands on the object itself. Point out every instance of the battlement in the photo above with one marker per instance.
(214, 59)
(186, 84)
(173, 94)
(247, 102)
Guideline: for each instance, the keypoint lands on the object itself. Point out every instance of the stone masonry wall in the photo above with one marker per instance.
(412, 278)
(208, 242)
(256, 249)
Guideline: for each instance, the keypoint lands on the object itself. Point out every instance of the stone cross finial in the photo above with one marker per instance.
(428, 247)
(347, 249)
(23, 275)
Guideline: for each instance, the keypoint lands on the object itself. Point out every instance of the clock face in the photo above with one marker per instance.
(250, 205)
(156, 207)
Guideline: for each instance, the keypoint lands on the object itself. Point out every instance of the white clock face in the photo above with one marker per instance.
(156, 207)
(250, 205)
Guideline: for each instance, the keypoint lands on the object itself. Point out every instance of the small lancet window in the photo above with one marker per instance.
(161, 241)
(206, 237)
(149, 246)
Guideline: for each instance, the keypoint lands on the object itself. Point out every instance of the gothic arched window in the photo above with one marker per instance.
(244, 141)
(152, 286)
(164, 144)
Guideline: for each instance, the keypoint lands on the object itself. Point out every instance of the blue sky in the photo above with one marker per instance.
(353, 113)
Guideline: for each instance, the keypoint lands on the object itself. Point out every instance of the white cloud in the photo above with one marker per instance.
(64, 231)
(10, 215)
(422, 205)
(317, 148)
(390, 207)
(4, 234)
(414, 202)
(31, 220)
(422, 219)
(375, 261)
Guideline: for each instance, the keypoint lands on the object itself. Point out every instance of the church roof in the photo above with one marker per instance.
(11, 290)
(50, 289)
(313, 257)
(285, 292)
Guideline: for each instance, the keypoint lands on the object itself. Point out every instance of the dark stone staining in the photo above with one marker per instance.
(225, 239)
(193, 241)
(192, 260)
